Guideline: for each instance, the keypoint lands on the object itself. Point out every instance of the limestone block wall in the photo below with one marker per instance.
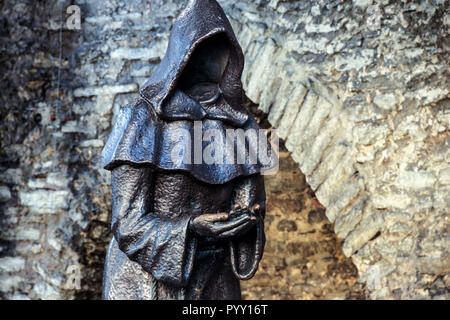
(365, 111)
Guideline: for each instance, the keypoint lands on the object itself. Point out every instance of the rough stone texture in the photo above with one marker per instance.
(303, 258)
(364, 111)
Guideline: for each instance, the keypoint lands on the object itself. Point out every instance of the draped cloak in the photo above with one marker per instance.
(153, 255)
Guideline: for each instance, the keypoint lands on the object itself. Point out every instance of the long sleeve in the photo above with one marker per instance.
(161, 245)
(247, 251)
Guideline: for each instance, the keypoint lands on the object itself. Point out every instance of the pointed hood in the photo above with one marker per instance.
(201, 20)
(196, 90)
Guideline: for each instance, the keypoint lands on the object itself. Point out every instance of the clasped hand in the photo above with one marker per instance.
(226, 225)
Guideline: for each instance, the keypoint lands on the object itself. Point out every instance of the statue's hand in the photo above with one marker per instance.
(222, 225)
(238, 210)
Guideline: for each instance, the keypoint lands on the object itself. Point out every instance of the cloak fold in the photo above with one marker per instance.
(139, 137)
(160, 244)
(246, 252)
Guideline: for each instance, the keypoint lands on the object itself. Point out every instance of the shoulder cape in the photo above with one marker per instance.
(140, 137)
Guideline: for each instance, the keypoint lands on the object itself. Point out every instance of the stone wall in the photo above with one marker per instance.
(364, 110)
(360, 92)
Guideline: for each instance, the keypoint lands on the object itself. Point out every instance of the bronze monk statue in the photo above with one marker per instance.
(183, 229)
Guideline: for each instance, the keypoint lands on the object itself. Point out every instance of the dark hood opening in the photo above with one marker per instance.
(204, 71)
(202, 49)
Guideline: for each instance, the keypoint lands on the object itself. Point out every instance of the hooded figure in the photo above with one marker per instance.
(186, 227)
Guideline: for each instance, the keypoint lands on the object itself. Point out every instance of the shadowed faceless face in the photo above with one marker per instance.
(203, 73)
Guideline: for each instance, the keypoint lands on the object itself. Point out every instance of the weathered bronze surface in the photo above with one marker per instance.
(184, 230)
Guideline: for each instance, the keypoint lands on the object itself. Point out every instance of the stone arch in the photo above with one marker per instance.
(371, 140)
(303, 257)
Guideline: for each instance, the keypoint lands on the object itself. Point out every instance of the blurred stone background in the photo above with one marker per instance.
(359, 91)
